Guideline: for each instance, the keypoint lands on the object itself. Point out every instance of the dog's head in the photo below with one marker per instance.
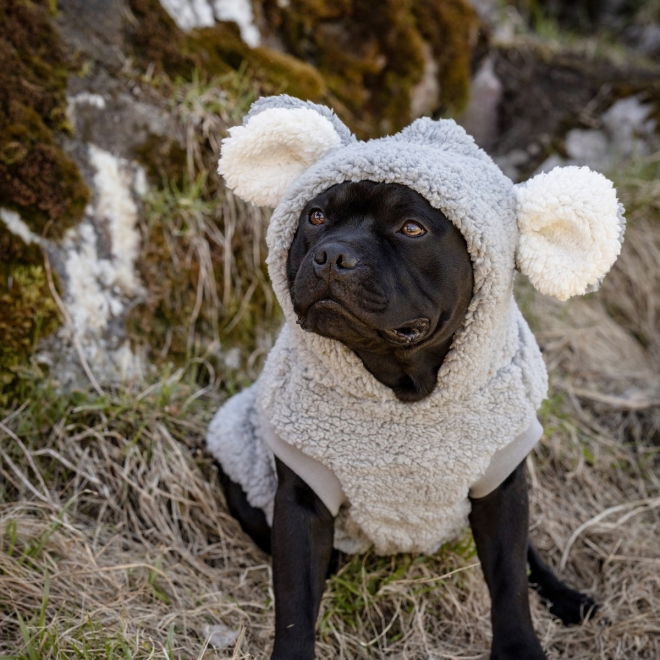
(376, 267)
(387, 245)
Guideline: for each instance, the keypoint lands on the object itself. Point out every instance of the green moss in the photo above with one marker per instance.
(29, 313)
(217, 50)
(372, 61)
(363, 63)
(163, 158)
(156, 40)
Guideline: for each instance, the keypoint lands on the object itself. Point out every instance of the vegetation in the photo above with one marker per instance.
(114, 536)
(37, 179)
(203, 255)
(372, 61)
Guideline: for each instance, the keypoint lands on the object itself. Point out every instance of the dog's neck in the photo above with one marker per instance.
(410, 373)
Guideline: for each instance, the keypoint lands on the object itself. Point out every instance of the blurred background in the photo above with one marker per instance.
(134, 299)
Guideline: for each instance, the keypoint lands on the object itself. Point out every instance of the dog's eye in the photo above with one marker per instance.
(412, 229)
(316, 217)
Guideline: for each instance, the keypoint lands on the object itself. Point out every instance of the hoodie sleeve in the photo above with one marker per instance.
(506, 460)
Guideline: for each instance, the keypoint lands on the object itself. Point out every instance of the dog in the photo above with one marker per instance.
(340, 258)
(399, 401)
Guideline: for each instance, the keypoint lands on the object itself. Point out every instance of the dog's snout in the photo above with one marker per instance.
(334, 258)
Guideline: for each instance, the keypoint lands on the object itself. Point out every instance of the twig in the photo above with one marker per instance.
(642, 505)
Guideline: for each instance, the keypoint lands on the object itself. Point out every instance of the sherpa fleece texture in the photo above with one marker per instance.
(405, 468)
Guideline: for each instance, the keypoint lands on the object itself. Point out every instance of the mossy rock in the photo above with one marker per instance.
(159, 43)
(364, 63)
(372, 60)
(37, 179)
(28, 309)
(220, 49)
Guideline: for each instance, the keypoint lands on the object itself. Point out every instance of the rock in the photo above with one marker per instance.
(425, 95)
(627, 131)
(480, 117)
(220, 636)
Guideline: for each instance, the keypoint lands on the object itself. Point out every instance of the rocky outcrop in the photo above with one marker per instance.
(120, 248)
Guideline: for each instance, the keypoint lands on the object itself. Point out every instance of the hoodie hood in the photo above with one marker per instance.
(447, 177)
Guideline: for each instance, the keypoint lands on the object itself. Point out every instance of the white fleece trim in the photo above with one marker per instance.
(570, 230)
(261, 159)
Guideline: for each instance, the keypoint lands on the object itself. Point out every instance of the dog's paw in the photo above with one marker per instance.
(571, 607)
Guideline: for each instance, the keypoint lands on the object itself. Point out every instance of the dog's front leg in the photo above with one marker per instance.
(302, 537)
(499, 524)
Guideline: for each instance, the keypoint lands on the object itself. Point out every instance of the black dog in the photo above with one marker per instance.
(396, 302)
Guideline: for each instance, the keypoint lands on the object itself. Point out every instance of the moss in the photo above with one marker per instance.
(156, 40)
(220, 49)
(37, 179)
(163, 158)
(364, 63)
(451, 28)
(217, 50)
(372, 61)
(29, 313)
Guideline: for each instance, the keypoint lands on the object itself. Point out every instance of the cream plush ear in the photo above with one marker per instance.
(571, 228)
(261, 159)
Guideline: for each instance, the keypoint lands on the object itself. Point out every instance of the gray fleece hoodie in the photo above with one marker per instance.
(398, 475)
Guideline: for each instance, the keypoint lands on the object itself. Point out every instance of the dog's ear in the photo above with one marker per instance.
(571, 228)
(279, 139)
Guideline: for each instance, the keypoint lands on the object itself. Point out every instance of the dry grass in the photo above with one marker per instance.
(115, 542)
(203, 250)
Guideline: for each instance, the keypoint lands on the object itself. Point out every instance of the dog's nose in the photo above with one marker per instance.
(334, 258)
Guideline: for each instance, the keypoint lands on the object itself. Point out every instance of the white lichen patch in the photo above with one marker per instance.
(16, 226)
(189, 14)
(239, 11)
(83, 99)
(116, 210)
(88, 98)
(99, 258)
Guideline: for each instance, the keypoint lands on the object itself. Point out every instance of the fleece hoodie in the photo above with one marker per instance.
(398, 475)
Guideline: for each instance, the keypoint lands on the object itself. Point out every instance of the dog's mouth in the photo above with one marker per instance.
(328, 306)
(411, 332)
